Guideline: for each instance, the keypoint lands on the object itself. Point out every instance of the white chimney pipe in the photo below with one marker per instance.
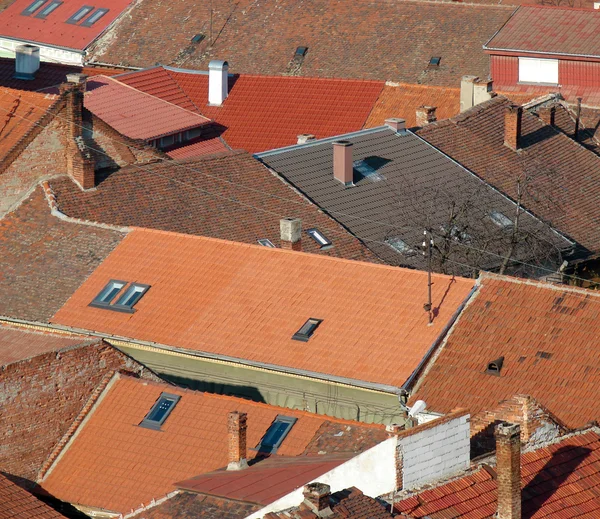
(217, 82)
(27, 61)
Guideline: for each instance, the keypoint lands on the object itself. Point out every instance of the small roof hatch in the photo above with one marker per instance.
(275, 434)
(160, 411)
(319, 237)
(265, 242)
(307, 329)
(300, 52)
(434, 62)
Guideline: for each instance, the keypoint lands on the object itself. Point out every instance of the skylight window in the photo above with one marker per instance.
(160, 411)
(127, 299)
(266, 243)
(79, 15)
(276, 433)
(300, 52)
(94, 17)
(198, 38)
(48, 9)
(501, 220)
(33, 7)
(307, 329)
(319, 237)
(400, 246)
(434, 62)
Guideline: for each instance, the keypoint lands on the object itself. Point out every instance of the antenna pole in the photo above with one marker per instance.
(427, 249)
(211, 23)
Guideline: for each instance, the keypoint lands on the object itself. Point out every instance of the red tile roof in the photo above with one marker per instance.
(547, 335)
(561, 481)
(136, 114)
(114, 464)
(16, 503)
(550, 30)
(54, 29)
(380, 337)
(267, 112)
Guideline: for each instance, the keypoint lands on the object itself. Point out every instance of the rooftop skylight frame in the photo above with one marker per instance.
(399, 245)
(108, 293)
(94, 17)
(80, 14)
(319, 237)
(33, 7)
(300, 51)
(434, 62)
(160, 411)
(48, 9)
(130, 297)
(265, 242)
(125, 298)
(501, 220)
(276, 433)
(307, 329)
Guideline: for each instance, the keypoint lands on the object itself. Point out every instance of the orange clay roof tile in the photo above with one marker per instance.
(247, 301)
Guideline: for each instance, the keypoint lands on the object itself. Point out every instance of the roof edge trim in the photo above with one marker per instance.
(551, 53)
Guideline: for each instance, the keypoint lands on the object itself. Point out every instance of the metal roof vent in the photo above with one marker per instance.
(495, 367)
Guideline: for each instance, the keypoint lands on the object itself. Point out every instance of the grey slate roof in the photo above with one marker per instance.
(416, 187)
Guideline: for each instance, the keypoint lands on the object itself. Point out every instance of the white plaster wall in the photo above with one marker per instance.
(435, 453)
(51, 54)
(373, 472)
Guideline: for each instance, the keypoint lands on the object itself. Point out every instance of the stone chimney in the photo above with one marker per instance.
(396, 124)
(80, 162)
(508, 469)
(27, 61)
(236, 432)
(547, 114)
(316, 497)
(291, 233)
(305, 137)
(426, 115)
(218, 82)
(343, 168)
(512, 126)
(467, 87)
(482, 91)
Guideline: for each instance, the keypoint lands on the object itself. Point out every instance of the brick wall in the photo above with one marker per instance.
(40, 397)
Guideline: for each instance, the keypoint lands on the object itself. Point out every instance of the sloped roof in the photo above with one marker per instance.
(550, 30)
(549, 336)
(109, 464)
(265, 112)
(558, 176)
(414, 187)
(136, 114)
(219, 286)
(54, 29)
(562, 480)
(230, 196)
(16, 503)
(361, 40)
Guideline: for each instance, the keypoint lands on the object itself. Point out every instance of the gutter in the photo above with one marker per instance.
(545, 53)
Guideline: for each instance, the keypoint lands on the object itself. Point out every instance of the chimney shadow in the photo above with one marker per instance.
(541, 134)
(436, 310)
(549, 479)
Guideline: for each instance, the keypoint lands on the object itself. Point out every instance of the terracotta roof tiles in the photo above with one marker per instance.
(16, 503)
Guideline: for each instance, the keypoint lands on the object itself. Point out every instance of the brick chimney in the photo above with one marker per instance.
(305, 137)
(291, 233)
(316, 497)
(547, 114)
(426, 115)
(508, 456)
(343, 169)
(236, 432)
(396, 124)
(80, 162)
(512, 126)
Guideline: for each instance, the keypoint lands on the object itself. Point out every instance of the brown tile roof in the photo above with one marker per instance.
(559, 175)
(109, 463)
(559, 481)
(548, 336)
(45, 259)
(219, 285)
(16, 503)
(230, 196)
(550, 30)
(344, 40)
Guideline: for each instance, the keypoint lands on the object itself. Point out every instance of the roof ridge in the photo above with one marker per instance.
(533, 282)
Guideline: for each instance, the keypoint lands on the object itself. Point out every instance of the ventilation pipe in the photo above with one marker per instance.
(218, 86)
(27, 61)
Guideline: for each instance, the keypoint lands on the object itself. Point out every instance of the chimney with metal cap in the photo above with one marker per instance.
(316, 497)
(508, 469)
(426, 115)
(27, 61)
(291, 233)
(218, 77)
(396, 124)
(343, 168)
(236, 431)
(512, 126)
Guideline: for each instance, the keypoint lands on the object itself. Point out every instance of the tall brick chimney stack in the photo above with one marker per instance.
(236, 432)
(426, 115)
(316, 496)
(80, 163)
(508, 456)
(512, 126)
(291, 233)
(343, 168)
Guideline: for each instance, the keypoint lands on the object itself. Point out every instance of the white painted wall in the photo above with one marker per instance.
(50, 54)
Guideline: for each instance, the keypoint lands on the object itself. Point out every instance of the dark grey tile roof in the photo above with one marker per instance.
(416, 187)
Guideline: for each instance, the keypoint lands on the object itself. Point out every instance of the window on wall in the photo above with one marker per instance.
(540, 71)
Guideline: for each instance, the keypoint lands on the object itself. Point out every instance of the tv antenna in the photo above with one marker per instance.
(427, 250)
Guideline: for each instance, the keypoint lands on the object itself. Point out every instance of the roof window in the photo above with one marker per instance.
(501, 220)
(307, 329)
(94, 17)
(434, 62)
(543, 355)
(275, 434)
(455, 233)
(160, 411)
(494, 367)
(126, 301)
(319, 237)
(400, 246)
(198, 38)
(266, 243)
(300, 52)
(33, 7)
(81, 12)
(48, 9)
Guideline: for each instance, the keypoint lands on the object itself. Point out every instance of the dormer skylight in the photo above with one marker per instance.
(319, 237)
(48, 9)
(33, 7)
(127, 299)
(265, 242)
(80, 14)
(275, 434)
(400, 246)
(160, 411)
(94, 17)
(307, 329)
(501, 220)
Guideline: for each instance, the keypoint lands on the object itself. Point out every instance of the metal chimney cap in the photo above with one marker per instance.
(217, 64)
(76, 78)
(342, 143)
